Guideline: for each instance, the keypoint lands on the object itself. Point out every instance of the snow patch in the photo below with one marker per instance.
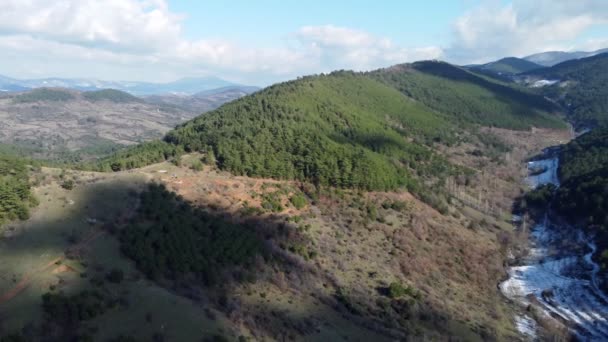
(543, 83)
(562, 282)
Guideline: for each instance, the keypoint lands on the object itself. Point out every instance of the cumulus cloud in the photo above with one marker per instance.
(494, 29)
(95, 35)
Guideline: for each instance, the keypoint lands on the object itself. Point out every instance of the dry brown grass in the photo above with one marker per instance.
(453, 261)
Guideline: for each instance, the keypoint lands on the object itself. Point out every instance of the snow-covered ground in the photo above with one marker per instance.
(549, 176)
(543, 83)
(563, 281)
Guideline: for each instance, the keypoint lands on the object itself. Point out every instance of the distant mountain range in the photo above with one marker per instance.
(551, 58)
(184, 86)
(63, 124)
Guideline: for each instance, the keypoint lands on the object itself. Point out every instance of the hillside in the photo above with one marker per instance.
(583, 194)
(506, 66)
(468, 98)
(581, 88)
(207, 255)
(342, 130)
(67, 125)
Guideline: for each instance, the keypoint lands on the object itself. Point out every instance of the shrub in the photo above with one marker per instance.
(398, 290)
(299, 201)
(68, 184)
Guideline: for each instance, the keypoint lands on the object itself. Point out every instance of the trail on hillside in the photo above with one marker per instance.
(28, 278)
(94, 234)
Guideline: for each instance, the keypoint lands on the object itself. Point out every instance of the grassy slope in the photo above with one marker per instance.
(469, 98)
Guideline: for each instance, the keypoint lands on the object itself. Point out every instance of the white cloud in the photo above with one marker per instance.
(95, 37)
(358, 49)
(493, 30)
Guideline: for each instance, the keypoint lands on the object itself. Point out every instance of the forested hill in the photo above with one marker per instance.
(346, 129)
(583, 194)
(343, 129)
(469, 98)
(582, 88)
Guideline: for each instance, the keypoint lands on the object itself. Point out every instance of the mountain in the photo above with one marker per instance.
(467, 97)
(551, 58)
(579, 86)
(185, 86)
(203, 101)
(505, 66)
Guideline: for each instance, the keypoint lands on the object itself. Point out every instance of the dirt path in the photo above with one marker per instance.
(25, 282)
(28, 278)
(88, 239)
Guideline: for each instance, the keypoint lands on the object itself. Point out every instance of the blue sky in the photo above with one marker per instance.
(265, 22)
(264, 41)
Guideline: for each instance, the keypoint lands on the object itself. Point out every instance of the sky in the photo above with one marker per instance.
(265, 41)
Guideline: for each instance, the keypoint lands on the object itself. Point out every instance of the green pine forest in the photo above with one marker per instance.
(583, 194)
(370, 131)
(15, 195)
(582, 89)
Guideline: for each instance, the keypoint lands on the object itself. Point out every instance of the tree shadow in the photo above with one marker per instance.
(190, 272)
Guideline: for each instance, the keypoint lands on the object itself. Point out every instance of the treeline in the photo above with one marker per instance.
(469, 98)
(583, 194)
(15, 195)
(169, 239)
(134, 157)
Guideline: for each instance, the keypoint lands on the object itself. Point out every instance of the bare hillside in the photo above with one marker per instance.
(50, 122)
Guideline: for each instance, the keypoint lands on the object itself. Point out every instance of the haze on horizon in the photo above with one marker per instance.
(270, 41)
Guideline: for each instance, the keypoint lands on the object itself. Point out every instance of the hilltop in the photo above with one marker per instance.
(505, 67)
